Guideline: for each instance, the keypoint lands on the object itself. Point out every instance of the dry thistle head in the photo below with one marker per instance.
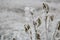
(39, 21)
(59, 25)
(46, 7)
(27, 27)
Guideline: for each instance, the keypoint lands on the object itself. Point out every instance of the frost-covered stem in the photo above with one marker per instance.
(45, 22)
(35, 32)
(46, 29)
(30, 35)
(34, 27)
(29, 14)
(46, 10)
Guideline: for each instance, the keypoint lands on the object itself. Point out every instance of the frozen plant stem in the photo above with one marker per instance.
(34, 23)
(46, 29)
(46, 9)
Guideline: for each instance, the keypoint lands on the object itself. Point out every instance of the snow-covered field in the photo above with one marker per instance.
(17, 23)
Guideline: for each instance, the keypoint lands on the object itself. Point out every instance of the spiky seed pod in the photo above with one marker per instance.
(39, 21)
(59, 25)
(46, 7)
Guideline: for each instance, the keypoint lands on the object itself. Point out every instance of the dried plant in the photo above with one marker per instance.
(39, 21)
(46, 10)
(46, 7)
(27, 27)
(36, 24)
